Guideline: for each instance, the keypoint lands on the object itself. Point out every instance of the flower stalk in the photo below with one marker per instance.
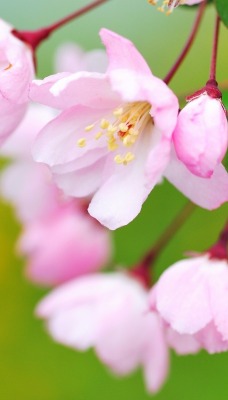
(35, 38)
(188, 43)
(220, 249)
(215, 50)
(141, 270)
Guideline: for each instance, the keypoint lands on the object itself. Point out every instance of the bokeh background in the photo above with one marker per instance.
(32, 366)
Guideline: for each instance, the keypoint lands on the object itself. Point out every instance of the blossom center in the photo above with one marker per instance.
(121, 129)
(168, 5)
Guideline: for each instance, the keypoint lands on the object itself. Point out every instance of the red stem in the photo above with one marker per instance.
(34, 38)
(220, 249)
(169, 233)
(141, 270)
(214, 50)
(188, 44)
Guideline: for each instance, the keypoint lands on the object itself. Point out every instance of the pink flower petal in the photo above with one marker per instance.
(17, 71)
(120, 198)
(218, 283)
(67, 90)
(179, 291)
(70, 57)
(75, 236)
(40, 90)
(87, 180)
(182, 343)
(211, 340)
(207, 193)
(122, 54)
(76, 327)
(57, 142)
(109, 312)
(38, 196)
(156, 356)
(119, 345)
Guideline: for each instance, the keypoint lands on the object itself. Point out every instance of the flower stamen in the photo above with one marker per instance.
(123, 129)
(128, 157)
(167, 4)
(89, 127)
(81, 142)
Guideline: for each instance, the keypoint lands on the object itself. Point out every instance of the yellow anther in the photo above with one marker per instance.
(104, 124)
(110, 135)
(128, 158)
(81, 142)
(123, 127)
(127, 141)
(111, 129)
(118, 159)
(118, 111)
(124, 131)
(133, 132)
(112, 145)
(161, 9)
(152, 2)
(98, 135)
(89, 127)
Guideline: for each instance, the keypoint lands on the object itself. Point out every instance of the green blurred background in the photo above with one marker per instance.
(32, 367)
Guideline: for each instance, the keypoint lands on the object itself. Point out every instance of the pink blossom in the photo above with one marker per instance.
(17, 71)
(70, 57)
(59, 239)
(110, 313)
(24, 183)
(192, 297)
(112, 141)
(201, 135)
(65, 244)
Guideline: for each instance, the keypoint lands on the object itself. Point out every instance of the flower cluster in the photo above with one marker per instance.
(105, 132)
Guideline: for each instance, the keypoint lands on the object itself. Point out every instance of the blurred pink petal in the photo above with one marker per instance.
(60, 240)
(24, 183)
(109, 312)
(71, 58)
(64, 245)
(182, 343)
(17, 70)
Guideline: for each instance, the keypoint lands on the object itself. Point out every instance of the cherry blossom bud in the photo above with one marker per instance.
(201, 135)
